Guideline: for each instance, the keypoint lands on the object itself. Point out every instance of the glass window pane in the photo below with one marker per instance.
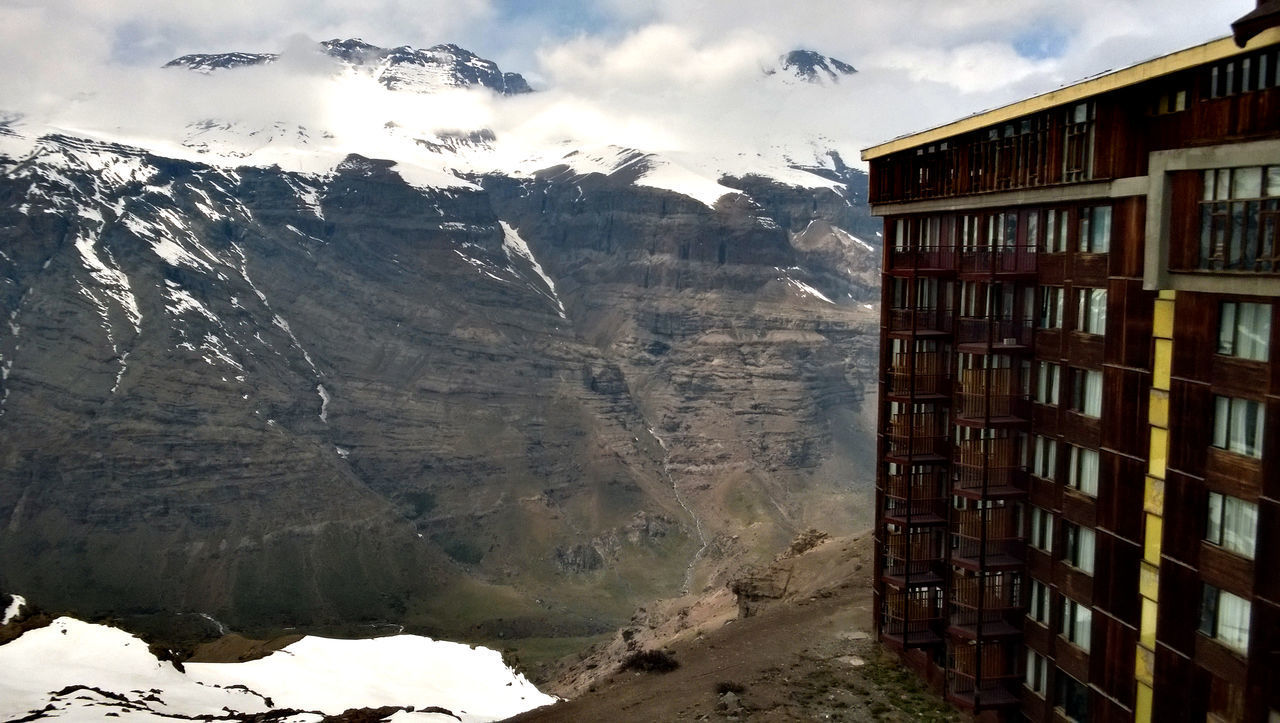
(1213, 532)
(1246, 182)
(1227, 328)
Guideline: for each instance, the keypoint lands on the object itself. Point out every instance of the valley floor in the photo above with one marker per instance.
(806, 652)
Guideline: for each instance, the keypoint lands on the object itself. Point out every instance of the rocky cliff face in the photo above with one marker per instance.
(507, 407)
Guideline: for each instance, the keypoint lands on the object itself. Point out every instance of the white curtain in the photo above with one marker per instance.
(1254, 327)
(1233, 621)
(1093, 393)
(1085, 542)
(1239, 525)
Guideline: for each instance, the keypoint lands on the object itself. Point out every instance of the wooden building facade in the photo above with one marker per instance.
(1078, 494)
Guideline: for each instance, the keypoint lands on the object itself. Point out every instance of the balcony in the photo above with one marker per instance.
(996, 333)
(1006, 261)
(987, 397)
(983, 605)
(913, 556)
(916, 498)
(918, 374)
(987, 538)
(928, 259)
(911, 618)
(918, 435)
(924, 321)
(982, 676)
(987, 469)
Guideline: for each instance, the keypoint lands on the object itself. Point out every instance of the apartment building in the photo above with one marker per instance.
(1078, 495)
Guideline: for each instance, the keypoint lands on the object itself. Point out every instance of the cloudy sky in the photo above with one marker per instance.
(651, 73)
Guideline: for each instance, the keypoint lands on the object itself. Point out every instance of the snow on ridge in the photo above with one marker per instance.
(808, 290)
(513, 244)
(324, 402)
(318, 675)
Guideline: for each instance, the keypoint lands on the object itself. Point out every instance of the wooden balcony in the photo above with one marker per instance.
(986, 397)
(980, 681)
(922, 259)
(987, 538)
(985, 605)
(912, 618)
(913, 556)
(1000, 262)
(925, 321)
(916, 498)
(918, 434)
(995, 333)
(987, 469)
(919, 374)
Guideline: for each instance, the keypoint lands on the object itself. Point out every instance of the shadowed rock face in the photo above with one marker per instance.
(284, 399)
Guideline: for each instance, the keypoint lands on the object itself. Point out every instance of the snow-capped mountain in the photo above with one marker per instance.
(812, 66)
(360, 364)
(403, 68)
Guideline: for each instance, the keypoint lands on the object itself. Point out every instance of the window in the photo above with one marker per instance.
(1037, 673)
(1238, 218)
(1233, 524)
(1038, 606)
(1091, 306)
(1237, 425)
(1055, 231)
(1095, 230)
(1051, 303)
(1244, 330)
(1080, 547)
(1086, 397)
(1044, 458)
(1083, 474)
(1071, 698)
(1047, 383)
(1225, 617)
(1077, 623)
(1077, 143)
(1041, 529)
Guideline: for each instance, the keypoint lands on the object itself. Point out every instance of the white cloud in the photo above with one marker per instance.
(684, 76)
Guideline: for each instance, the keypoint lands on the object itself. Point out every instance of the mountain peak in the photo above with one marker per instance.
(402, 68)
(814, 67)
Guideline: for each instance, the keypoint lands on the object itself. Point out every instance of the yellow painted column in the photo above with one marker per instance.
(1153, 504)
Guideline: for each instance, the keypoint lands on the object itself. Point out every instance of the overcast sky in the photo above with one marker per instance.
(676, 72)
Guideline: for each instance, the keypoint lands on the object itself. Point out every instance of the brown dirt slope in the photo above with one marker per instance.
(805, 652)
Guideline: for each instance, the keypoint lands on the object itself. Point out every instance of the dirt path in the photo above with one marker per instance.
(807, 655)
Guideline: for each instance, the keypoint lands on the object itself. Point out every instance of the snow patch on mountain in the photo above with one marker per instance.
(15, 606)
(514, 246)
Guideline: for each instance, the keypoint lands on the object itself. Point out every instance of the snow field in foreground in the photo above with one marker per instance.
(319, 675)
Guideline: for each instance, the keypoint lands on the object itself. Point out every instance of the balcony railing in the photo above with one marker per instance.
(913, 615)
(923, 320)
(997, 331)
(912, 553)
(928, 483)
(993, 532)
(994, 461)
(1006, 260)
(918, 373)
(990, 393)
(986, 599)
(996, 684)
(922, 258)
(917, 434)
